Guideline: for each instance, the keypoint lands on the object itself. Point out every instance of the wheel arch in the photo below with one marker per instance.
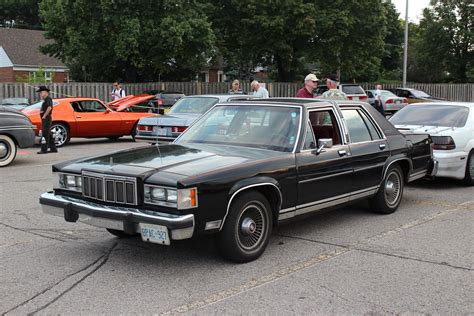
(267, 186)
(404, 163)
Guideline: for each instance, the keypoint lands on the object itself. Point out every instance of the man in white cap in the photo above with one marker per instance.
(310, 84)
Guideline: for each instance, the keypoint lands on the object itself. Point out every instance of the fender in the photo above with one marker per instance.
(393, 159)
(247, 184)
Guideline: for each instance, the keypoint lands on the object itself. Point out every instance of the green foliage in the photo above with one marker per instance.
(35, 77)
(24, 12)
(133, 41)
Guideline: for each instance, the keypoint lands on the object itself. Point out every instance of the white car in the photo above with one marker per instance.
(451, 126)
(390, 102)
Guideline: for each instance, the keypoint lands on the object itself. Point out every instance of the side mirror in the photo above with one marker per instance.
(323, 143)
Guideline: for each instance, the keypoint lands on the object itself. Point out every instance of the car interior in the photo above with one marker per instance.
(324, 125)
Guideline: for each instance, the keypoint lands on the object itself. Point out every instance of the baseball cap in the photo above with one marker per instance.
(333, 77)
(311, 77)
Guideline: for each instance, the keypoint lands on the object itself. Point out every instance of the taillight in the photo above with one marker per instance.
(389, 101)
(362, 98)
(160, 102)
(443, 142)
(349, 97)
(145, 128)
(178, 129)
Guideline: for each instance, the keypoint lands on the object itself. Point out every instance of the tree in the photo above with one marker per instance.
(39, 76)
(446, 42)
(391, 62)
(132, 41)
(23, 12)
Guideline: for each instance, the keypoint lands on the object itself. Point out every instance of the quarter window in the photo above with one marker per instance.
(358, 130)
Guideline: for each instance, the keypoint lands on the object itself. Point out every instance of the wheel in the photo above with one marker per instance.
(60, 134)
(390, 193)
(118, 233)
(469, 177)
(7, 150)
(133, 133)
(247, 229)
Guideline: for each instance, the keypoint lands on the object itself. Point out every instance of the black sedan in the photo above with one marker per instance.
(16, 130)
(241, 169)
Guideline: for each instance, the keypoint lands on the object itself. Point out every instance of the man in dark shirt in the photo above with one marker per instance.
(46, 112)
(310, 84)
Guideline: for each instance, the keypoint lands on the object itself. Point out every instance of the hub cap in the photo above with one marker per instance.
(59, 134)
(3, 150)
(251, 226)
(392, 188)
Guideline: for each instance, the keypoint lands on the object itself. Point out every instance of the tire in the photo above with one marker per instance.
(469, 177)
(8, 150)
(390, 193)
(60, 134)
(133, 133)
(119, 233)
(247, 229)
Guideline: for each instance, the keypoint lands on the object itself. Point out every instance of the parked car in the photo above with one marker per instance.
(413, 95)
(242, 168)
(451, 126)
(143, 103)
(353, 91)
(165, 128)
(87, 117)
(16, 130)
(15, 103)
(164, 99)
(390, 102)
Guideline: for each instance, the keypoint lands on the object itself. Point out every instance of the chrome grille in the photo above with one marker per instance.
(109, 188)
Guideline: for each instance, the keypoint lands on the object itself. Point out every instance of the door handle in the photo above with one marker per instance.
(342, 153)
(382, 146)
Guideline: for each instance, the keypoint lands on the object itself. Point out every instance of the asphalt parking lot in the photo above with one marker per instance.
(417, 260)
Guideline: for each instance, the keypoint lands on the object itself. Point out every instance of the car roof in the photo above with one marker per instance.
(75, 99)
(454, 103)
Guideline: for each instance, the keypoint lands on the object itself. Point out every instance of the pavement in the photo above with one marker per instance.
(347, 261)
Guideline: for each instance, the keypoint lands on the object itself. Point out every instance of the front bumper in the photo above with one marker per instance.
(119, 218)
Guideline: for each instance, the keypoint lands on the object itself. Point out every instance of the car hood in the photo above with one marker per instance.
(170, 119)
(423, 129)
(128, 101)
(167, 162)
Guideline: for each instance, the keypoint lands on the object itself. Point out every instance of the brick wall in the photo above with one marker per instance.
(6, 74)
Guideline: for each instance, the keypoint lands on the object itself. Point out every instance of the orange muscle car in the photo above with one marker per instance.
(89, 118)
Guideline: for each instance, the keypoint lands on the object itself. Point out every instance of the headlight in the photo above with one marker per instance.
(70, 182)
(181, 199)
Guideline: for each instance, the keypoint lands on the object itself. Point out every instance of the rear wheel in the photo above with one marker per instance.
(247, 230)
(118, 233)
(8, 150)
(469, 177)
(390, 193)
(60, 134)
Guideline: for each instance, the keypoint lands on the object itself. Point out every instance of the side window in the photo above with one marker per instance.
(92, 106)
(310, 142)
(369, 94)
(324, 125)
(357, 128)
(370, 125)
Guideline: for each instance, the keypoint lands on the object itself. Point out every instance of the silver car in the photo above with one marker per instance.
(167, 127)
(390, 102)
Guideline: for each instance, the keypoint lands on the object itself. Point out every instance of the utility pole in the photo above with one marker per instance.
(405, 48)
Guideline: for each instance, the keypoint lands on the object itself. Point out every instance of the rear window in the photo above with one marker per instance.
(432, 115)
(352, 89)
(196, 105)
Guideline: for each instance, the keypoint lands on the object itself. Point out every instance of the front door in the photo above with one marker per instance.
(324, 176)
(94, 119)
(369, 150)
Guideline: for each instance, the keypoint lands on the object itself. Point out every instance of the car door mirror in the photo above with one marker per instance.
(323, 143)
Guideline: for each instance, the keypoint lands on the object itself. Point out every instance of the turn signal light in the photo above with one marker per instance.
(178, 129)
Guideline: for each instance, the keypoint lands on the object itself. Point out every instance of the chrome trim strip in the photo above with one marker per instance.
(286, 210)
(327, 176)
(6, 128)
(392, 162)
(336, 197)
(245, 188)
(370, 167)
(417, 175)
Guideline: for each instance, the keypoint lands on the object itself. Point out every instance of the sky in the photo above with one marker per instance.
(415, 8)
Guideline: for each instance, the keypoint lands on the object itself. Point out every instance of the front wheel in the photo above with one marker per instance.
(390, 193)
(247, 229)
(7, 150)
(60, 134)
(469, 177)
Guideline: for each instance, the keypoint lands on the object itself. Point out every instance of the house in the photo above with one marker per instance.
(214, 71)
(20, 56)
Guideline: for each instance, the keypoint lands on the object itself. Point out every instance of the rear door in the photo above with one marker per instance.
(94, 119)
(369, 149)
(323, 177)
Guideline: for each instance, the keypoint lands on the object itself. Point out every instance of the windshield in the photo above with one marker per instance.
(265, 127)
(420, 94)
(431, 115)
(14, 101)
(37, 105)
(352, 89)
(196, 105)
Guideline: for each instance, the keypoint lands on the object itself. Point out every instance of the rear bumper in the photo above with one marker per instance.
(119, 218)
(153, 139)
(451, 165)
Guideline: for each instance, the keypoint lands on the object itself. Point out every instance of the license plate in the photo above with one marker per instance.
(355, 98)
(155, 233)
(161, 131)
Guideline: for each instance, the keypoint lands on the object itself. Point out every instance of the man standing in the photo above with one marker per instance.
(310, 84)
(258, 90)
(117, 91)
(333, 92)
(46, 112)
(378, 100)
(235, 88)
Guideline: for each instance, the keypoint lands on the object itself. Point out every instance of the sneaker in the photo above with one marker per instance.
(41, 152)
(53, 151)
